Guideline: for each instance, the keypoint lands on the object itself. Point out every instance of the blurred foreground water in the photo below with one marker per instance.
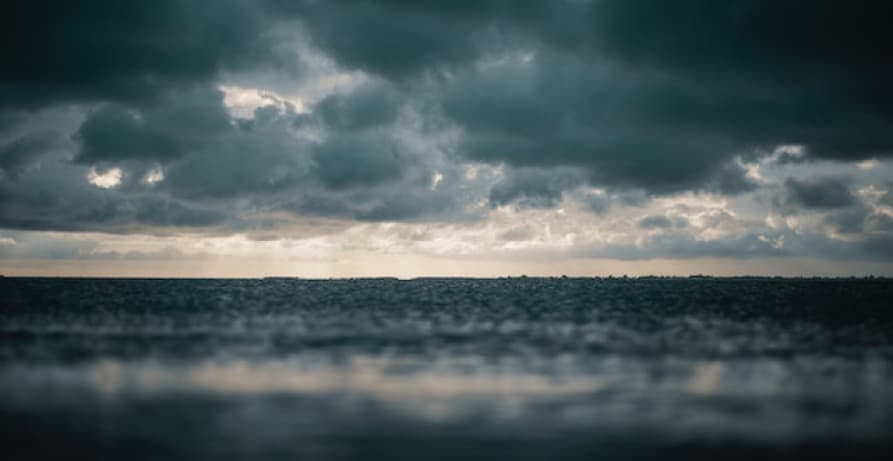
(446, 368)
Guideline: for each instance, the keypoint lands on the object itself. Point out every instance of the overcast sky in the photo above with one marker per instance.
(408, 138)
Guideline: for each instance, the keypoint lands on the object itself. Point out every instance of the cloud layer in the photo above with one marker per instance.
(630, 129)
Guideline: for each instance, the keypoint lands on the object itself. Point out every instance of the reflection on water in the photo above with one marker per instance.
(755, 399)
(536, 368)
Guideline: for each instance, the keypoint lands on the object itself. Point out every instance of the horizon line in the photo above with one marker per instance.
(457, 277)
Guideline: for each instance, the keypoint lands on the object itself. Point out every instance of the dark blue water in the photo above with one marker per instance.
(446, 368)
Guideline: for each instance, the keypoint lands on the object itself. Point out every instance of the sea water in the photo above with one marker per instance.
(520, 368)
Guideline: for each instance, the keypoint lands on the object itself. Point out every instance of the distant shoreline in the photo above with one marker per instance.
(513, 277)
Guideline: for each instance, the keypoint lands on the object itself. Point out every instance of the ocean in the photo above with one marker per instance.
(510, 368)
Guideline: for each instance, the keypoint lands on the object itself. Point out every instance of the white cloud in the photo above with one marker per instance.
(436, 178)
(869, 164)
(106, 180)
(242, 102)
(154, 176)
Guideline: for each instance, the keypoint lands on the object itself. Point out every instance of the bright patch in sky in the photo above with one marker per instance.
(242, 102)
(869, 164)
(105, 180)
(154, 176)
(436, 178)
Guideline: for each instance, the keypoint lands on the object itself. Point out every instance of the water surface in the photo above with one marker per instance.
(440, 368)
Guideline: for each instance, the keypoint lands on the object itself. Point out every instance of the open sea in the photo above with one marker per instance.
(520, 368)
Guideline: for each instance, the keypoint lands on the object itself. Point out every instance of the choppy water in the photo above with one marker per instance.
(444, 368)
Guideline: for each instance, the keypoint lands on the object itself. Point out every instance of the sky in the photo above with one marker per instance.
(246, 138)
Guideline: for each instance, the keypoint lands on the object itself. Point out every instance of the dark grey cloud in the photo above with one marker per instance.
(858, 220)
(750, 246)
(16, 154)
(113, 133)
(186, 120)
(655, 222)
(602, 201)
(636, 98)
(249, 160)
(877, 247)
(679, 35)
(731, 180)
(401, 39)
(86, 50)
(880, 223)
(360, 151)
(217, 172)
(394, 39)
(385, 204)
(823, 193)
(887, 198)
(533, 187)
(10, 118)
(703, 80)
(796, 72)
(556, 110)
(58, 197)
(349, 161)
(747, 246)
(596, 203)
(849, 221)
(368, 106)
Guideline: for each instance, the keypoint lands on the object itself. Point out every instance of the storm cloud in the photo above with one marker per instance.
(252, 117)
(87, 50)
(819, 193)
